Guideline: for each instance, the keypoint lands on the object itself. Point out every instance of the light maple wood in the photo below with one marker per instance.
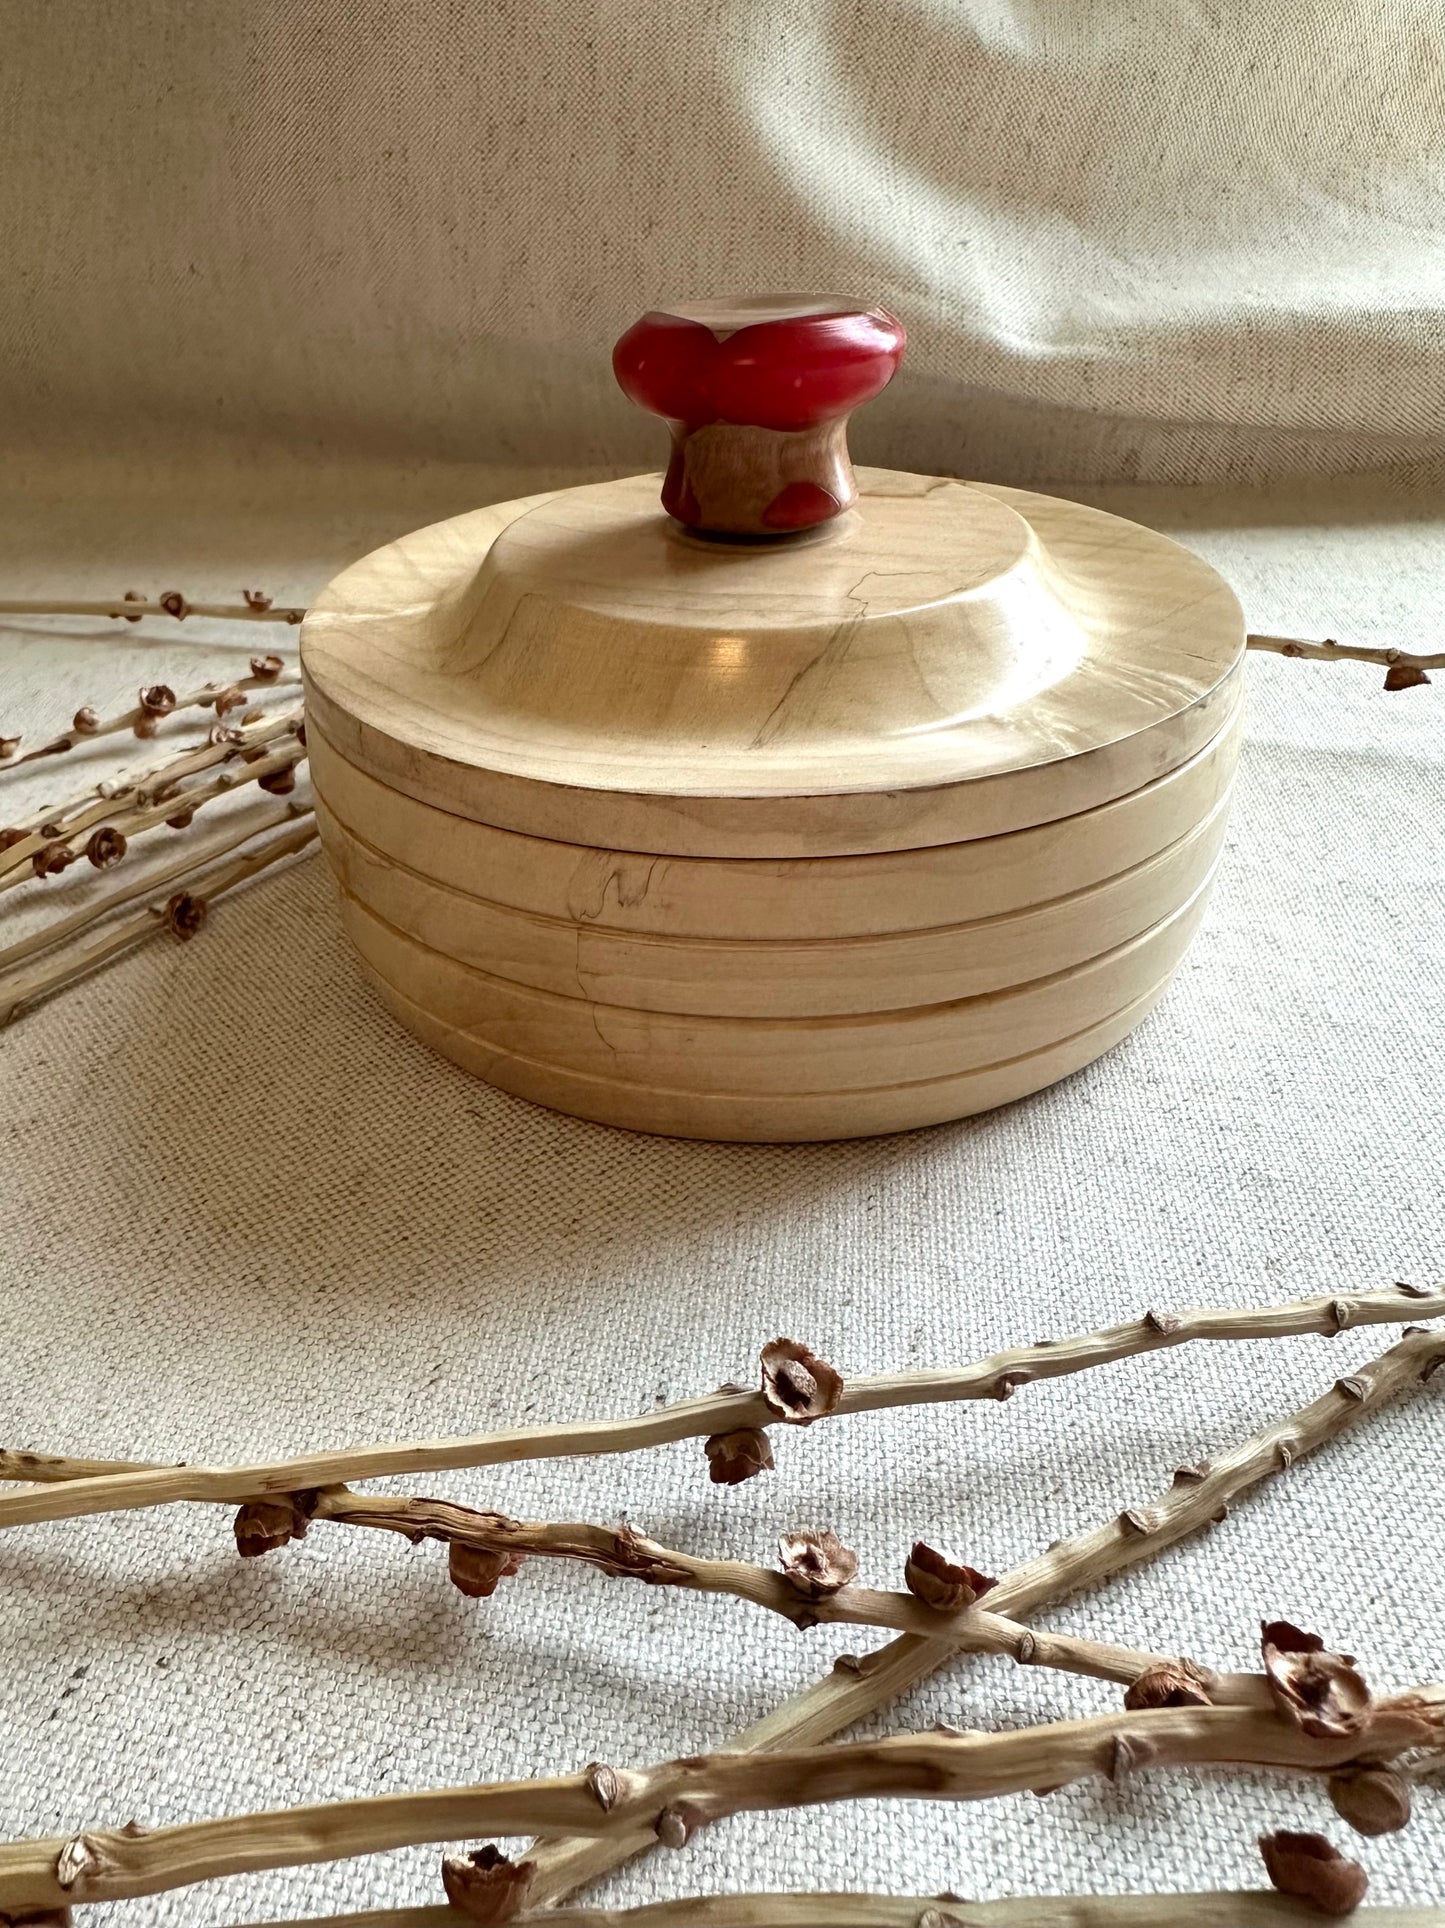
(774, 898)
(749, 1056)
(791, 1118)
(950, 661)
(710, 838)
(771, 978)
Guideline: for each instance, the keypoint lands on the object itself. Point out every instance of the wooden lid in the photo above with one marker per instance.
(946, 661)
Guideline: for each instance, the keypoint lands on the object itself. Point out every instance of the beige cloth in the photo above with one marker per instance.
(1164, 240)
(277, 281)
(245, 1214)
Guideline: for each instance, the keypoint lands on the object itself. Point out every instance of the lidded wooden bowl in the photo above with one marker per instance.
(818, 807)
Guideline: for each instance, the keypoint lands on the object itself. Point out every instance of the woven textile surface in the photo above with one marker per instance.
(283, 282)
(245, 1214)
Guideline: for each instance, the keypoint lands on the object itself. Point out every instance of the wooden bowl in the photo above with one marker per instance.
(780, 843)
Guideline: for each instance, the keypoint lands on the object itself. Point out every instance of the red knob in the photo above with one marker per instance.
(758, 392)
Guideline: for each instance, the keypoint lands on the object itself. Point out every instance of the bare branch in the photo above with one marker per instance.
(158, 702)
(181, 912)
(157, 783)
(721, 1412)
(120, 1864)
(1251, 1908)
(1403, 670)
(198, 854)
(1198, 1497)
(173, 604)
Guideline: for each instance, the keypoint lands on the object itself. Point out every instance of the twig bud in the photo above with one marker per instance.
(798, 1385)
(278, 783)
(1404, 676)
(1321, 1693)
(672, 1828)
(255, 599)
(1191, 1475)
(1126, 1755)
(76, 1859)
(158, 699)
(1180, 1684)
(184, 914)
(230, 698)
(1008, 1383)
(1306, 1865)
(603, 1785)
(816, 1564)
(1374, 1800)
(8, 746)
(478, 1571)
(85, 722)
(734, 1457)
(1163, 1322)
(485, 1886)
(943, 1581)
(106, 847)
(52, 858)
(1138, 1519)
(175, 604)
(133, 595)
(268, 668)
(261, 1526)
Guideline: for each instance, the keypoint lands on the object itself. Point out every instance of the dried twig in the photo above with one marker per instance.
(255, 608)
(261, 727)
(157, 702)
(267, 766)
(723, 1412)
(674, 1799)
(1198, 1497)
(198, 854)
(624, 1553)
(182, 913)
(156, 782)
(1243, 1908)
(1403, 670)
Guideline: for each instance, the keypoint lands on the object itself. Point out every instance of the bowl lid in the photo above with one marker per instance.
(947, 661)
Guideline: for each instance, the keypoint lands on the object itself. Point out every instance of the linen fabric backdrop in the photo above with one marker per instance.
(281, 282)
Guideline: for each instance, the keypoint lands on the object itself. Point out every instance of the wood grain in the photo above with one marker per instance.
(772, 1118)
(775, 978)
(672, 1070)
(950, 661)
(773, 898)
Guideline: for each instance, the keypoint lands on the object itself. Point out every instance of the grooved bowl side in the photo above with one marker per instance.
(745, 1057)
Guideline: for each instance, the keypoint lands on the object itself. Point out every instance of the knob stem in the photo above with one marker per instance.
(758, 393)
